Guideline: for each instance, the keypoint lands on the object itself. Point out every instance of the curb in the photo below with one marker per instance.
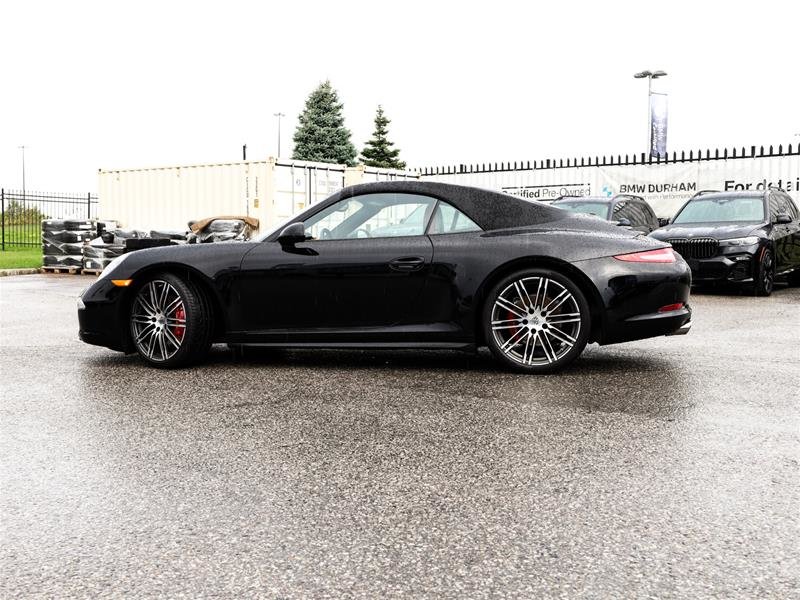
(10, 272)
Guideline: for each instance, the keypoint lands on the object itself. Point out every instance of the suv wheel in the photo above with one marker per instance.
(765, 274)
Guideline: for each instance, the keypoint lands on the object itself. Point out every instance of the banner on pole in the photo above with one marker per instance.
(658, 125)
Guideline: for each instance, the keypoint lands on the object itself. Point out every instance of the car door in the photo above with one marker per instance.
(781, 232)
(455, 274)
(364, 267)
(793, 230)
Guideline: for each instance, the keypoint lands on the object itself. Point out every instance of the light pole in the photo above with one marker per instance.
(650, 75)
(279, 115)
(23, 169)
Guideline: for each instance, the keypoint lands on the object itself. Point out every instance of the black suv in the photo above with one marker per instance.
(738, 237)
(622, 209)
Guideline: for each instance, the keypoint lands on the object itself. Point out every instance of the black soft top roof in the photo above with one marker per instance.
(489, 209)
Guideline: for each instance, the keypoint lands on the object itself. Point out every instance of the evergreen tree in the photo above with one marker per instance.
(321, 135)
(378, 151)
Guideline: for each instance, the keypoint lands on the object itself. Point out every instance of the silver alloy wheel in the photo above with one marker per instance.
(158, 321)
(536, 321)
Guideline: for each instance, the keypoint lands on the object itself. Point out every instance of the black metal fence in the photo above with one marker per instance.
(619, 159)
(22, 212)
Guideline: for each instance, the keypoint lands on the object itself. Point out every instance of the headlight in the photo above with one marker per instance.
(113, 265)
(745, 241)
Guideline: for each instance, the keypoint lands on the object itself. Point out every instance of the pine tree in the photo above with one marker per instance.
(321, 135)
(378, 151)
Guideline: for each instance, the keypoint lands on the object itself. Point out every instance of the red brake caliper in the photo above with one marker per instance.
(180, 315)
(514, 332)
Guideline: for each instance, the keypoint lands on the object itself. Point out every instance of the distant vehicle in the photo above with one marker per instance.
(399, 264)
(745, 238)
(622, 209)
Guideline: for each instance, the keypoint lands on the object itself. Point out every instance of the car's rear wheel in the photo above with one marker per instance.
(765, 275)
(536, 321)
(170, 322)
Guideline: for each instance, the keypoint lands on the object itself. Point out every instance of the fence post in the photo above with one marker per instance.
(89, 205)
(3, 208)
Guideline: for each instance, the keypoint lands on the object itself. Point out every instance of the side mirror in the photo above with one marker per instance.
(662, 222)
(292, 234)
(783, 219)
(623, 222)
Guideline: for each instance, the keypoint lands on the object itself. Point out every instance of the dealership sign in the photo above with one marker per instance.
(665, 185)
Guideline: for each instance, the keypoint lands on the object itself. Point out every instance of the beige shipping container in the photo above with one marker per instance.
(271, 190)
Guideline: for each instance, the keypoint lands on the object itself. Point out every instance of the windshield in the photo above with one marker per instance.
(722, 209)
(598, 209)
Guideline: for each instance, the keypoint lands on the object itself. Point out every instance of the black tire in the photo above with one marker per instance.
(765, 274)
(516, 320)
(156, 332)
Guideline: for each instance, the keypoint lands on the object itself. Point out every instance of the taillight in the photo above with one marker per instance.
(662, 255)
(671, 307)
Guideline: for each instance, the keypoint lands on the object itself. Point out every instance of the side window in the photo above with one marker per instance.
(787, 206)
(626, 209)
(652, 220)
(792, 208)
(639, 215)
(447, 219)
(322, 224)
(372, 216)
(775, 206)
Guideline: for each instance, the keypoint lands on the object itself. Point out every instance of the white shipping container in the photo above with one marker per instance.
(271, 190)
(169, 197)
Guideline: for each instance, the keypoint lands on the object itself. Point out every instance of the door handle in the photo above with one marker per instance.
(407, 263)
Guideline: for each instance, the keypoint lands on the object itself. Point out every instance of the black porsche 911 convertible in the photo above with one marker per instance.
(403, 264)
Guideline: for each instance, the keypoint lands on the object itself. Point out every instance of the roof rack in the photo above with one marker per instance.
(608, 198)
(626, 196)
(704, 192)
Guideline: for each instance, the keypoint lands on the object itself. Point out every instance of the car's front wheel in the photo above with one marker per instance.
(536, 321)
(765, 274)
(169, 322)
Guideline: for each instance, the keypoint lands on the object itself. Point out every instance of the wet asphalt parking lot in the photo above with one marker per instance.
(661, 468)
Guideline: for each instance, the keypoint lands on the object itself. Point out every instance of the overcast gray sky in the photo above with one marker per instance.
(88, 85)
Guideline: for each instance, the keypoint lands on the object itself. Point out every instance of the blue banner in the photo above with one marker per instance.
(658, 125)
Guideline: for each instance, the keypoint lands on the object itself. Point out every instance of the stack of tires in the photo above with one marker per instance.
(97, 254)
(63, 240)
(100, 251)
(175, 237)
(121, 236)
(156, 239)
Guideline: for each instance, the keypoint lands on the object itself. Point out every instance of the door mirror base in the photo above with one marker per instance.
(293, 234)
(783, 219)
